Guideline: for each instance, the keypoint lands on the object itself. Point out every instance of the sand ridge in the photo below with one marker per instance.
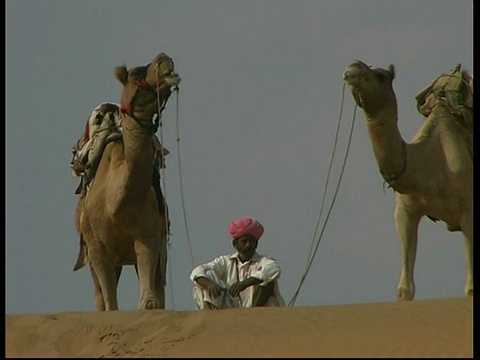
(420, 328)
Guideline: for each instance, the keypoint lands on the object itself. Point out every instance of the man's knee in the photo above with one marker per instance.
(262, 294)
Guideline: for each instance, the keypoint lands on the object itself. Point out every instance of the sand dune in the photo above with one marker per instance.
(420, 328)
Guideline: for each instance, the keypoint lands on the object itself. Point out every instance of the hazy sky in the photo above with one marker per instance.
(259, 103)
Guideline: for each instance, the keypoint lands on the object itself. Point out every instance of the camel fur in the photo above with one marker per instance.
(432, 175)
(119, 219)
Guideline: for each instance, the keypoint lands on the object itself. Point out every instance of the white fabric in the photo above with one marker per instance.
(99, 128)
(226, 270)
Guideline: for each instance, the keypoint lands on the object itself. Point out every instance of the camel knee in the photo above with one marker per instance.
(404, 294)
(148, 300)
(149, 303)
(469, 289)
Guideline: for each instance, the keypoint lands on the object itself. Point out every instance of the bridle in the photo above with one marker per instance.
(143, 85)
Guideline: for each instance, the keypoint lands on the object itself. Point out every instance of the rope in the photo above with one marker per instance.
(329, 170)
(181, 184)
(162, 170)
(309, 264)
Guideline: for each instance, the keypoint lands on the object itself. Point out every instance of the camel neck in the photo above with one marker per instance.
(388, 146)
(139, 155)
(137, 138)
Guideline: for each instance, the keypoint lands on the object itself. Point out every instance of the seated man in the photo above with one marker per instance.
(243, 279)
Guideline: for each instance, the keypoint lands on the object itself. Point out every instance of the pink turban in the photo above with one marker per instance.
(245, 226)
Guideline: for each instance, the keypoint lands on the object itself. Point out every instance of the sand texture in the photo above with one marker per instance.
(419, 328)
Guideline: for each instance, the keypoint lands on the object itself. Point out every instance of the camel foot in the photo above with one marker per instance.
(469, 292)
(404, 294)
(150, 304)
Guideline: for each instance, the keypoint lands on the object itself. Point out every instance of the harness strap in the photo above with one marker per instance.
(142, 84)
(127, 109)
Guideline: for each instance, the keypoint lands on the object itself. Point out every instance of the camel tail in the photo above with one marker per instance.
(82, 256)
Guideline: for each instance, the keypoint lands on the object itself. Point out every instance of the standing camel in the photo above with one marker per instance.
(433, 174)
(119, 219)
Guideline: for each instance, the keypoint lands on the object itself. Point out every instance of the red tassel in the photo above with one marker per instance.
(126, 108)
(142, 84)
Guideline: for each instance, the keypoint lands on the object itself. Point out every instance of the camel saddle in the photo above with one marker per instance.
(455, 89)
(103, 126)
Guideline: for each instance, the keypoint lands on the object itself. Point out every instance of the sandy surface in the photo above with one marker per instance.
(420, 328)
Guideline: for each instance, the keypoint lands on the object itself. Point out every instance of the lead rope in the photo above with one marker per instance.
(309, 263)
(181, 182)
(162, 170)
(329, 171)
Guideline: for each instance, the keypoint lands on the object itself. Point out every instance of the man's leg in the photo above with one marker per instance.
(202, 300)
(261, 294)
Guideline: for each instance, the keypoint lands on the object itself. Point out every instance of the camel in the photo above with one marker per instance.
(119, 219)
(433, 174)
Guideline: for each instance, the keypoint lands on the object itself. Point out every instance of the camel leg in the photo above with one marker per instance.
(467, 229)
(147, 258)
(99, 303)
(106, 276)
(406, 225)
(160, 279)
(161, 271)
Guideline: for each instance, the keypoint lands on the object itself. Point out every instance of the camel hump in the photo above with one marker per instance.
(455, 88)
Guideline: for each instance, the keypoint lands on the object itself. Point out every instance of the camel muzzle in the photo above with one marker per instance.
(173, 80)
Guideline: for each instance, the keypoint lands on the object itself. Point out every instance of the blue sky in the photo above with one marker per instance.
(258, 108)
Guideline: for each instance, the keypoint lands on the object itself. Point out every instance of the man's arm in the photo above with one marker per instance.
(268, 270)
(238, 287)
(214, 290)
(200, 277)
(262, 294)
(217, 265)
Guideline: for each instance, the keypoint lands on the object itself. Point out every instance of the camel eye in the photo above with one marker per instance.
(382, 77)
(137, 74)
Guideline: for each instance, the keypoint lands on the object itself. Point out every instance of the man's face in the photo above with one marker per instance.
(245, 246)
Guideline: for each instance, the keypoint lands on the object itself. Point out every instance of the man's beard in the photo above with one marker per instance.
(247, 253)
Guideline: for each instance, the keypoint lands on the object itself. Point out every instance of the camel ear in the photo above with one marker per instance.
(391, 70)
(121, 74)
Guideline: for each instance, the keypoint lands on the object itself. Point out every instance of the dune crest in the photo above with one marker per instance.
(420, 328)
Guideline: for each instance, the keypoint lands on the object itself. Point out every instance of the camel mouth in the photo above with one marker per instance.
(173, 79)
(351, 76)
(166, 70)
(354, 72)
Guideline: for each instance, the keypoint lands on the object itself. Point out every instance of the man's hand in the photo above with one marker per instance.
(237, 288)
(213, 289)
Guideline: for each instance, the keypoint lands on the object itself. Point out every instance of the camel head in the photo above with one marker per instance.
(146, 89)
(371, 87)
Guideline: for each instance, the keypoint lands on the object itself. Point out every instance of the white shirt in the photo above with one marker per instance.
(228, 269)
